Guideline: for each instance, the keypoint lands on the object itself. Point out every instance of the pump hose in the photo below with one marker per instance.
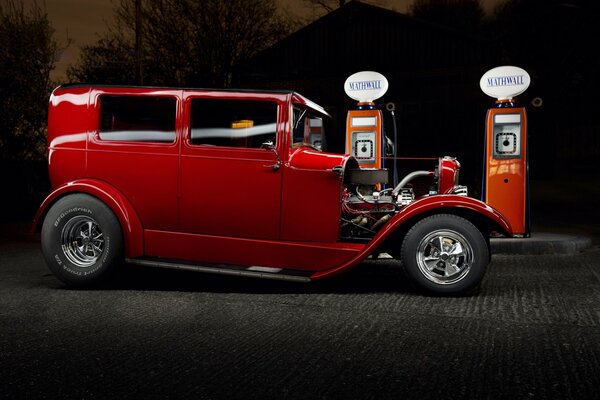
(391, 107)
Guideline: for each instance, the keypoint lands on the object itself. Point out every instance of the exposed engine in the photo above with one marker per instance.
(367, 205)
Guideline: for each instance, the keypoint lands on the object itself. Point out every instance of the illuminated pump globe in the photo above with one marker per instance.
(366, 86)
(505, 83)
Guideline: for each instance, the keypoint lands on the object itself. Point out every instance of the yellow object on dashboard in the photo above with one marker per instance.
(242, 123)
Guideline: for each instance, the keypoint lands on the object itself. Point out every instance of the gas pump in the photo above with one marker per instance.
(365, 139)
(506, 168)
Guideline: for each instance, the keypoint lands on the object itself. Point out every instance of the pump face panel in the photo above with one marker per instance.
(364, 137)
(507, 136)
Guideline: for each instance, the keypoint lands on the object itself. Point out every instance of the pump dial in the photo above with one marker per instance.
(506, 144)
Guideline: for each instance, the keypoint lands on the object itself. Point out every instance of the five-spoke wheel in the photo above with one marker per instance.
(81, 239)
(445, 253)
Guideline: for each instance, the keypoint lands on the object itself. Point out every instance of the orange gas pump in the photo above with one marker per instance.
(506, 168)
(365, 139)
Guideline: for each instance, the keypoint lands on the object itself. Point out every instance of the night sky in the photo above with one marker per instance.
(83, 20)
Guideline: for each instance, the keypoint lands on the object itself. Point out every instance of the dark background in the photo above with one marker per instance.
(530, 332)
(433, 58)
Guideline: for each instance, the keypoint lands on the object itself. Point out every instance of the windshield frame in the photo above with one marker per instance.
(300, 134)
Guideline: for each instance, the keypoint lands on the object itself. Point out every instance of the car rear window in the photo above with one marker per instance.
(138, 118)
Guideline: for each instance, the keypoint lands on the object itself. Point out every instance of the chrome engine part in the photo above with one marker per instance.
(460, 190)
(366, 208)
(406, 196)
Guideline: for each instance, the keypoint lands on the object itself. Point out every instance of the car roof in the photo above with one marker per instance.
(296, 97)
(111, 86)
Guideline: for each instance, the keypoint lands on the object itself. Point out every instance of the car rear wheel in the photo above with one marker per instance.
(445, 254)
(82, 240)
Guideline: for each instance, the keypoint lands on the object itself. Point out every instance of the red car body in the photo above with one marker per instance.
(273, 212)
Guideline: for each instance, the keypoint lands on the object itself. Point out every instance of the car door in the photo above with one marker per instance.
(230, 185)
(134, 147)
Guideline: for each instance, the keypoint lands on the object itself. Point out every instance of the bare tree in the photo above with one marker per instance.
(183, 42)
(27, 55)
(326, 5)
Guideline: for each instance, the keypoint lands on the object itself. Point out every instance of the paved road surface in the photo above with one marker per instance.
(532, 331)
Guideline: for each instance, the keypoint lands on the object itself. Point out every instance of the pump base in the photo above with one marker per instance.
(541, 243)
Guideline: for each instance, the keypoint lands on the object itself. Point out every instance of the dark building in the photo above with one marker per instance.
(433, 73)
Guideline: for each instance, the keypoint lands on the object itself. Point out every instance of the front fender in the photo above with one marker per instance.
(115, 200)
(451, 204)
(445, 203)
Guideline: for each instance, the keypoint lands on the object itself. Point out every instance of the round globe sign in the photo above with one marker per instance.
(366, 86)
(504, 83)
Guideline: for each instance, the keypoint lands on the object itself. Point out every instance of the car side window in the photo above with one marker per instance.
(138, 118)
(233, 123)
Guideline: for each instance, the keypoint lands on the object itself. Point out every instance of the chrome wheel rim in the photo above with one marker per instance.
(82, 241)
(444, 257)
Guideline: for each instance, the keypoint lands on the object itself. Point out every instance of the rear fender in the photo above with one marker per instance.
(115, 200)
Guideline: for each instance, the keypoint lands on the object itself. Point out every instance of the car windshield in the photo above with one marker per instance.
(308, 128)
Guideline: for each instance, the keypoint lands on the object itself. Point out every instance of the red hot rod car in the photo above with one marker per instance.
(225, 182)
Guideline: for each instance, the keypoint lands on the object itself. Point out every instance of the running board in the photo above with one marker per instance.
(281, 274)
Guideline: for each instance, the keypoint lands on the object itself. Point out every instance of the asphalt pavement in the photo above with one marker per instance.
(531, 331)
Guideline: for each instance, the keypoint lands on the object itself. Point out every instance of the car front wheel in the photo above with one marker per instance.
(445, 254)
